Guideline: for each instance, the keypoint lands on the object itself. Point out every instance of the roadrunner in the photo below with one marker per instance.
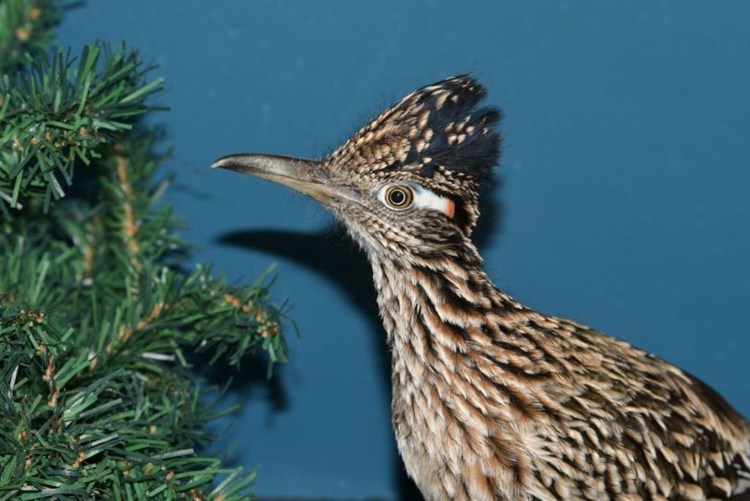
(492, 400)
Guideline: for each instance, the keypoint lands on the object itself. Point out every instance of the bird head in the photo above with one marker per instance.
(407, 184)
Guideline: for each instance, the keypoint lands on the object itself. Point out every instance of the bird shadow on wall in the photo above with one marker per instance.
(336, 258)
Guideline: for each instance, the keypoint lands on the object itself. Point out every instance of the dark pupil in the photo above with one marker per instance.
(398, 197)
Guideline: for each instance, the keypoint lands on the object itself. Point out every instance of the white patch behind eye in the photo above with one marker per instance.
(425, 199)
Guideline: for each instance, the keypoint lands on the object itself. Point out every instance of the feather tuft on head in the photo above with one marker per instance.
(437, 131)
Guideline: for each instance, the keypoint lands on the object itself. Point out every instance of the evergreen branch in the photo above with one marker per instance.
(25, 28)
(97, 315)
(57, 112)
(97, 432)
(110, 404)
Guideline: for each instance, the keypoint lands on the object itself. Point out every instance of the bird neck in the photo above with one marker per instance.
(432, 308)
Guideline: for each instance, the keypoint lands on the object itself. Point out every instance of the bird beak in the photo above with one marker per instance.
(305, 176)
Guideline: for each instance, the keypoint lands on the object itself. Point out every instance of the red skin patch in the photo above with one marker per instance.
(450, 209)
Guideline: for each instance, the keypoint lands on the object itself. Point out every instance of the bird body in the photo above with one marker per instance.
(492, 400)
(506, 402)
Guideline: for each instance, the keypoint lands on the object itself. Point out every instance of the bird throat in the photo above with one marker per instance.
(432, 311)
(437, 320)
(437, 316)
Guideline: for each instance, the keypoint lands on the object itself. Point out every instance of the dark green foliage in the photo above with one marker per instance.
(25, 28)
(97, 312)
(57, 112)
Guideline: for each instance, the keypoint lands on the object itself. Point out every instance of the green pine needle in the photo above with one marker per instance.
(25, 28)
(95, 315)
(57, 112)
(99, 317)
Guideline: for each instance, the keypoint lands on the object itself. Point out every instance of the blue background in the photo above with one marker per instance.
(622, 201)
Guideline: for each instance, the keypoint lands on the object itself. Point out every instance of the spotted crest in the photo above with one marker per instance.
(438, 135)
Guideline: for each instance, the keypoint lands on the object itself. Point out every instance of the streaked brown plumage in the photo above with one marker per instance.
(491, 399)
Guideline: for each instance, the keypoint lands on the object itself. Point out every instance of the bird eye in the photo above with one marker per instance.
(399, 197)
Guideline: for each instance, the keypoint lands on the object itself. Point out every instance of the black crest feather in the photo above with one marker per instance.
(437, 128)
(464, 137)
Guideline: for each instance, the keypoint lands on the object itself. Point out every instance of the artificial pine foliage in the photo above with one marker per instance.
(98, 317)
